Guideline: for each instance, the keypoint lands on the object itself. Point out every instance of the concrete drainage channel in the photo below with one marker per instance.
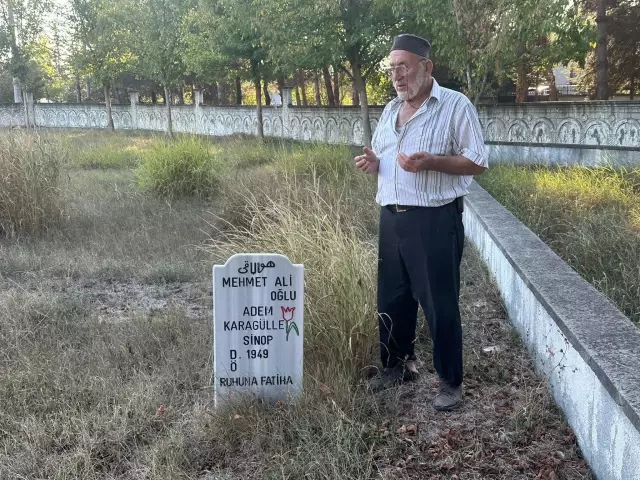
(586, 348)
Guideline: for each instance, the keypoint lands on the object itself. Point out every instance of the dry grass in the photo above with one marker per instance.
(29, 183)
(97, 381)
(588, 216)
(508, 427)
(321, 232)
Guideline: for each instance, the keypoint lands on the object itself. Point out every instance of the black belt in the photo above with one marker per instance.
(405, 208)
(400, 208)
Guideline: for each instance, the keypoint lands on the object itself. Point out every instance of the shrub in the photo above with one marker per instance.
(187, 166)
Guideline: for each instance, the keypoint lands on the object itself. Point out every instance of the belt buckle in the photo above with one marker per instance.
(400, 209)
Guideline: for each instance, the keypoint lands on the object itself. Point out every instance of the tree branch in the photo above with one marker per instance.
(344, 69)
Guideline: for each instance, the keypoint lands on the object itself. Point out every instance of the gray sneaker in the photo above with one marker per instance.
(448, 398)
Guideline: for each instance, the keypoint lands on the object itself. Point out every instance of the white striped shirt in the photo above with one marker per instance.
(446, 124)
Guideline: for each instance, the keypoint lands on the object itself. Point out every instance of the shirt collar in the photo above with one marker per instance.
(436, 90)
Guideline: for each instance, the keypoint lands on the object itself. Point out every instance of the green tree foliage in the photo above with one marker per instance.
(624, 48)
(233, 40)
(20, 29)
(352, 34)
(48, 80)
(104, 40)
(623, 51)
(159, 42)
(487, 41)
(482, 44)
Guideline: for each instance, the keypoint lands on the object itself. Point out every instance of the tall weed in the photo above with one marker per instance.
(588, 216)
(30, 195)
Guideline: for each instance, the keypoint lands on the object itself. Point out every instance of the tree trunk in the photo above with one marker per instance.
(25, 104)
(364, 104)
(316, 85)
(17, 90)
(212, 90)
(467, 70)
(327, 85)
(87, 80)
(303, 86)
(107, 102)
(281, 83)
(522, 86)
(602, 74)
(336, 85)
(479, 90)
(78, 90)
(256, 83)
(167, 102)
(297, 92)
(632, 87)
(265, 90)
(222, 93)
(238, 91)
(154, 97)
(553, 89)
(119, 96)
(355, 97)
(15, 52)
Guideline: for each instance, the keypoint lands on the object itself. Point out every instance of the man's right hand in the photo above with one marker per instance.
(368, 162)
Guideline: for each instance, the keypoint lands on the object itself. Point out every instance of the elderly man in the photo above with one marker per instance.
(425, 151)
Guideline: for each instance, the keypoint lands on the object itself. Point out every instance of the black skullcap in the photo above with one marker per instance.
(412, 43)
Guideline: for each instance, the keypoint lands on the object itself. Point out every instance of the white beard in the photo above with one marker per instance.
(414, 88)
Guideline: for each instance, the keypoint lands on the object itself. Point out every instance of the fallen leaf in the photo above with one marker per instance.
(324, 388)
(161, 410)
(237, 417)
(407, 429)
(547, 474)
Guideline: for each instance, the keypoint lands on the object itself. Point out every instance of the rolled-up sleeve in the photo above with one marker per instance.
(468, 138)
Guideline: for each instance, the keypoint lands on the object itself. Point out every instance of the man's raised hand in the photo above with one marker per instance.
(367, 162)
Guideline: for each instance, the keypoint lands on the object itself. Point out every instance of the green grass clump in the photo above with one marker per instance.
(333, 161)
(186, 166)
(588, 216)
(106, 150)
(247, 153)
(105, 157)
(30, 195)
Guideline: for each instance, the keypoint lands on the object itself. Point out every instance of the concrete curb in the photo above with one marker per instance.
(588, 350)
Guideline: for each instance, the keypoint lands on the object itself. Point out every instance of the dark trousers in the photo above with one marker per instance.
(419, 263)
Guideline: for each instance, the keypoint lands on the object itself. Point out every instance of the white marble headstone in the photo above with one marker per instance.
(258, 327)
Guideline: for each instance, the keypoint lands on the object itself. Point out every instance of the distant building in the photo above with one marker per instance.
(565, 83)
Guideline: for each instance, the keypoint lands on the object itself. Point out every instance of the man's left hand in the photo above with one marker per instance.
(414, 163)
